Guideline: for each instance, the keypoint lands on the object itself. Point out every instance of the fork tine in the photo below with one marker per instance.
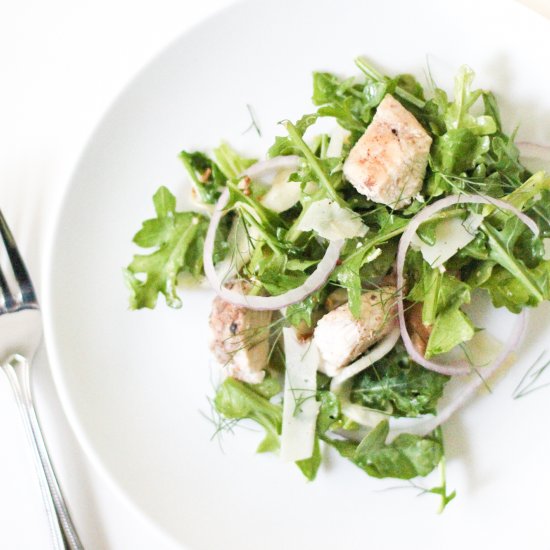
(9, 302)
(28, 295)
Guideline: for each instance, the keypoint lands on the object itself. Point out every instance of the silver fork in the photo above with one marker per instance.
(21, 323)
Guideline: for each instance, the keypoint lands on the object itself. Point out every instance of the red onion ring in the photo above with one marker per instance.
(374, 354)
(462, 368)
(427, 424)
(276, 163)
(315, 281)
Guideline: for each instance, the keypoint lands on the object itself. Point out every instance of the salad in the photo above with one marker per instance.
(344, 263)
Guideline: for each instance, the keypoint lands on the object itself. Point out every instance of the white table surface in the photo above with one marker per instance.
(61, 64)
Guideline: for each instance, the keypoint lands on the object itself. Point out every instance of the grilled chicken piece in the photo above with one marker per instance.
(341, 337)
(240, 338)
(388, 163)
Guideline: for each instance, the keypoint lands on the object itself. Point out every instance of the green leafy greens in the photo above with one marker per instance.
(178, 238)
(398, 386)
(265, 244)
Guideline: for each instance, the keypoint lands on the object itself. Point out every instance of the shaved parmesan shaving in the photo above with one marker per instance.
(330, 221)
(283, 194)
(300, 407)
(451, 235)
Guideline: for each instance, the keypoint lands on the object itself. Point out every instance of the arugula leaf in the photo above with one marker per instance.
(222, 242)
(345, 447)
(238, 400)
(458, 151)
(179, 240)
(230, 162)
(318, 166)
(348, 275)
(255, 215)
(328, 418)
(310, 466)
(304, 311)
(284, 145)
(501, 245)
(458, 112)
(269, 387)
(522, 197)
(442, 296)
(405, 86)
(398, 386)
(350, 103)
(508, 291)
(406, 457)
(470, 151)
(206, 175)
(520, 278)
(278, 283)
(505, 290)
(451, 328)
(365, 258)
(540, 213)
(329, 411)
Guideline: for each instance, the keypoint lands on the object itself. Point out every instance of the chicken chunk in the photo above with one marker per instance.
(341, 337)
(240, 338)
(388, 163)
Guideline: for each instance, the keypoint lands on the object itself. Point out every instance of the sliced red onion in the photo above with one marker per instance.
(283, 162)
(314, 282)
(462, 367)
(427, 424)
(381, 349)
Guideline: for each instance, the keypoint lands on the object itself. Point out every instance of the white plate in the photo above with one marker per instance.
(134, 383)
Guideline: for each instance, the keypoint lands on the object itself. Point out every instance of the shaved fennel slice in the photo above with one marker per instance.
(300, 407)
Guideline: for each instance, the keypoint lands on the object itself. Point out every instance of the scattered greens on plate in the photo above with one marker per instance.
(344, 263)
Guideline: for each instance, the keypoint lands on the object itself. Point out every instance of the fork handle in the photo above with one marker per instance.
(64, 535)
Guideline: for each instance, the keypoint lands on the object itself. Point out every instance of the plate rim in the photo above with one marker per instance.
(52, 231)
(54, 228)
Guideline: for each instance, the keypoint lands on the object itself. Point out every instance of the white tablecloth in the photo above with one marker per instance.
(62, 62)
